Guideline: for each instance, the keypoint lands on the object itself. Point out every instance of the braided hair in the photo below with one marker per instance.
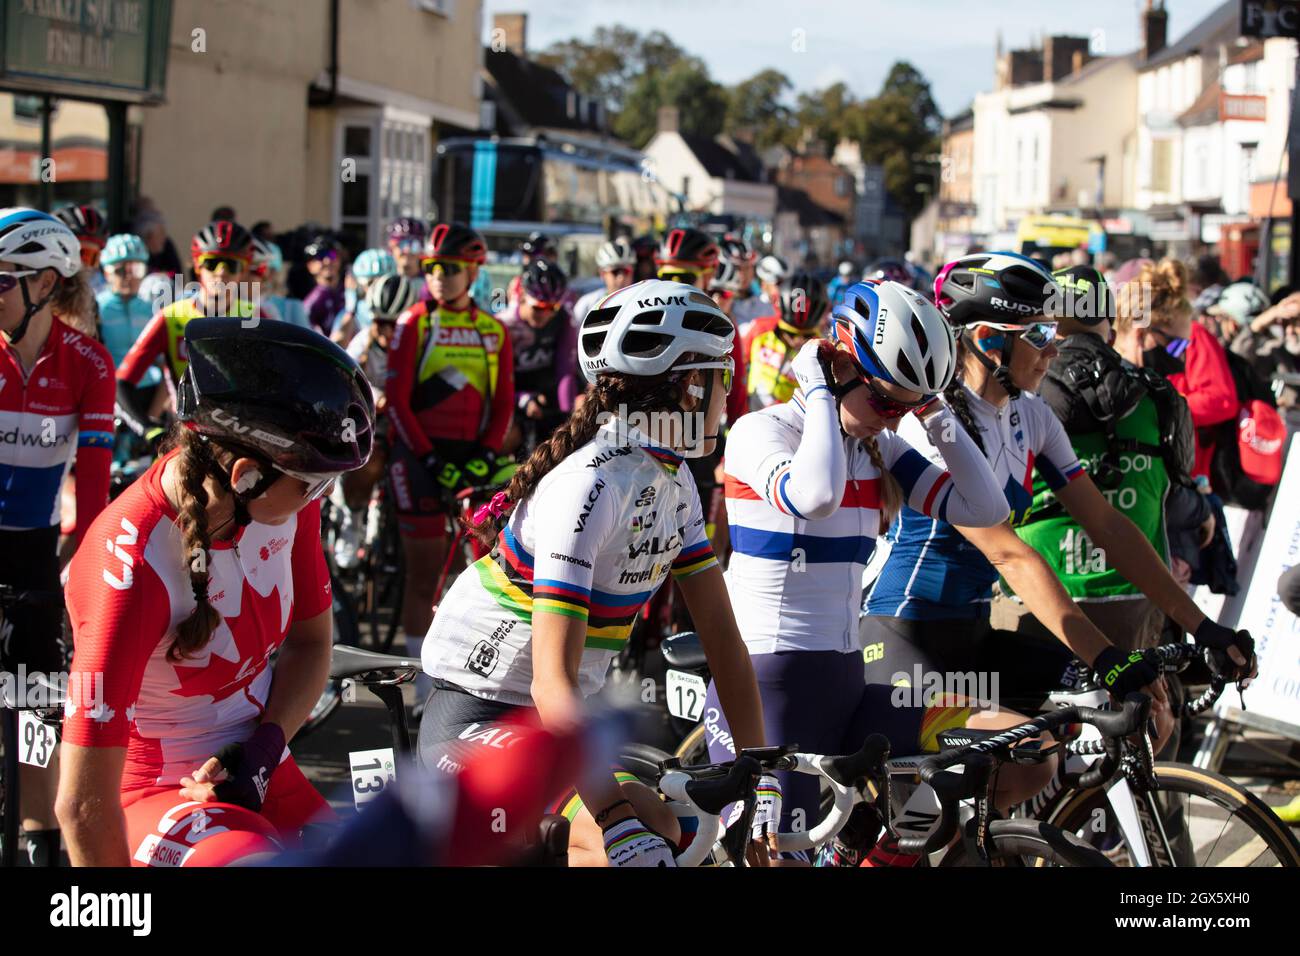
(197, 460)
(955, 397)
(661, 393)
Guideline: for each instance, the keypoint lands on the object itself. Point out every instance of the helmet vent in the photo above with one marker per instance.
(592, 343)
(653, 317)
(906, 368)
(599, 318)
(918, 332)
(710, 323)
(645, 344)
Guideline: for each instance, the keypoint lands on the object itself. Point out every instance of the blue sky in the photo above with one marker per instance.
(856, 41)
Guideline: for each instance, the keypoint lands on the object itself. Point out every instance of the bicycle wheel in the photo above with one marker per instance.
(1206, 820)
(1019, 843)
(694, 748)
(643, 760)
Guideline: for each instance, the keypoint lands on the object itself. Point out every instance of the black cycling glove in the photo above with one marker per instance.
(249, 767)
(1214, 635)
(1122, 672)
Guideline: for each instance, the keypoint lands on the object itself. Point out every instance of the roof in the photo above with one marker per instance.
(1096, 65)
(722, 163)
(536, 95)
(1204, 109)
(810, 212)
(1255, 51)
(1220, 23)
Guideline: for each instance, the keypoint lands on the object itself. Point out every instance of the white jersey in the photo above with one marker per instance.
(795, 581)
(594, 541)
(586, 304)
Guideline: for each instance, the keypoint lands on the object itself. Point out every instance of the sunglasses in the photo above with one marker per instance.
(672, 272)
(134, 270)
(727, 367)
(620, 271)
(330, 256)
(407, 246)
(90, 255)
(317, 485)
(1039, 336)
(887, 406)
(9, 280)
(213, 263)
(445, 266)
(726, 295)
(542, 306)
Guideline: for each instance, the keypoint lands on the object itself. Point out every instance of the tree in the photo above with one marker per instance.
(831, 114)
(608, 65)
(701, 103)
(899, 129)
(755, 105)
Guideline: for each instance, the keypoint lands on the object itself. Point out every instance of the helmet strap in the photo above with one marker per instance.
(1000, 372)
(241, 499)
(29, 311)
(706, 401)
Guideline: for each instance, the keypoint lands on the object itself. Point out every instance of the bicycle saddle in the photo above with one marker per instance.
(346, 661)
(684, 651)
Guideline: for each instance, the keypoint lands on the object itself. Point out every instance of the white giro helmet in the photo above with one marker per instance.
(616, 253)
(897, 335)
(772, 269)
(38, 241)
(650, 327)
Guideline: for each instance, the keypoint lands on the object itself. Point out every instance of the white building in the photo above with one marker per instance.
(721, 176)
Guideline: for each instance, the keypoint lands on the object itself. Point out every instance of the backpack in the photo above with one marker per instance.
(1247, 461)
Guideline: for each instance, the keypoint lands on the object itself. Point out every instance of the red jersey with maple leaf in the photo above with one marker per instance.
(129, 587)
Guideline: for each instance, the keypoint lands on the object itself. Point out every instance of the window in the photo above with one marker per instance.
(445, 8)
(1248, 171)
(391, 156)
(1162, 161)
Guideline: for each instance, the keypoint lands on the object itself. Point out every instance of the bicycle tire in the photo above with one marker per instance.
(1075, 810)
(1013, 840)
(694, 748)
(643, 761)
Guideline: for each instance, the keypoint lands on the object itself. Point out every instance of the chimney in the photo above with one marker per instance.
(668, 119)
(1076, 62)
(1155, 23)
(514, 31)
(1058, 56)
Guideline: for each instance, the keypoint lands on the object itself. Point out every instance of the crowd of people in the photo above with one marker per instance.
(1047, 452)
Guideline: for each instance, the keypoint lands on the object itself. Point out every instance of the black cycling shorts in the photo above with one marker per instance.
(31, 634)
(1026, 668)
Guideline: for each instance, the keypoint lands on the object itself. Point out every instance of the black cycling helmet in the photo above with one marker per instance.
(736, 249)
(390, 295)
(544, 281)
(407, 227)
(1085, 298)
(321, 246)
(803, 303)
(688, 246)
(454, 240)
(287, 394)
(86, 222)
(538, 244)
(997, 287)
(222, 238)
(645, 246)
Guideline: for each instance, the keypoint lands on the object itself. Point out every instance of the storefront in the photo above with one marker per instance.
(69, 69)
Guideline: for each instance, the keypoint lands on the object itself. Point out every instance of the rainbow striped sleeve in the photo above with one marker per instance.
(561, 597)
(694, 559)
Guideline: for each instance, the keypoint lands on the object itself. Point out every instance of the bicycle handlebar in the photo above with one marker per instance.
(702, 789)
(842, 774)
(977, 761)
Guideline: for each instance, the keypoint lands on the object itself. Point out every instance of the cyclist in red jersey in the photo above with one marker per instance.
(56, 404)
(451, 397)
(222, 252)
(175, 730)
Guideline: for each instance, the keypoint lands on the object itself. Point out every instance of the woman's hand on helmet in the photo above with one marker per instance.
(811, 367)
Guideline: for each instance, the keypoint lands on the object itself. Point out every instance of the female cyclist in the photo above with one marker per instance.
(597, 518)
(810, 484)
(545, 347)
(123, 315)
(193, 578)
(929, 609)
(56, 401)
(772, 342)
(451, 394)
(371, 264)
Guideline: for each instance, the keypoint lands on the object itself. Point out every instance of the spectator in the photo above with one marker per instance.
(152, 228)
(1155, 303)
(1206, 281)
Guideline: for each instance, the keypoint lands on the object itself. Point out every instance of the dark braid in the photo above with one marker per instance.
(659, 393)
(196, 462)
(955, 396)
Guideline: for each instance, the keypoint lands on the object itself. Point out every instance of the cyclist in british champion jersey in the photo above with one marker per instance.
(56, 404)
(929, 609)
(810, 484)
(594, 522)
(174, 740)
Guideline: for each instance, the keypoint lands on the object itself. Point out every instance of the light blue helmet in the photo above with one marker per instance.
(373, 263)
(124, 247)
